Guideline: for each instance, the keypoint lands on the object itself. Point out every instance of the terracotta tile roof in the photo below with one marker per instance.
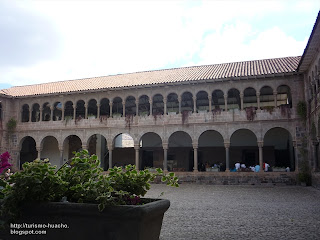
(167, 76)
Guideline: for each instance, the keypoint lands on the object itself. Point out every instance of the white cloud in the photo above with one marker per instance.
(109, 37)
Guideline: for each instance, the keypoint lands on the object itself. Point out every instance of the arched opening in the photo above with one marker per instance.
(92, 109)
(187, 102)
(123, 152)
(310, 92)
(97, 144)
(68, 110)
(157, 105)
(144, 105)
(217, 100)
(278, 149)
(211, 152)
(117, 108)
(28, 151)
(202, 101)
(172, 103)
(266, 98)
(80, 109)
(57, 111)
(250, 98)
(46, 112)
(71, 144)
(130, 106)
(151, 151)
(244, 149)
(35, 117)
(25, 113)
(50, 150)
(234, 101)
(104, 108)
(284, 96)
(180, 152)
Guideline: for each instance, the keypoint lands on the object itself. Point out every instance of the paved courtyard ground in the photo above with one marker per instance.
(239, 212)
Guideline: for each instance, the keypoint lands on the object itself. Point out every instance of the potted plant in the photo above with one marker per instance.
(79, 202)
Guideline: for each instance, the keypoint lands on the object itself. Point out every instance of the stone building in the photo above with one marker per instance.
(190, 119)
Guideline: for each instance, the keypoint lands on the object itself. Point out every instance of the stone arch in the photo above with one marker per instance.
(57, 111)
(123, 152)
(144, 105)
(104, 107)
(68, 109)
(250, 97)
(46, 112)
(233, 99)
(97, 144)
(172, 103)
(80, 109)
(25, 113)
(71, 143)
(266, 97)
(92, 108)
(187, 102)
(130, 106)
(284, 96)
(217, 100)
(180, 152)
(244, 148)
(211, 151)
(157, 104)
(35, 116)
(202, 102)
(151, 150)
(278, 148)
(28, 150)
(50, 150)
(117, 107)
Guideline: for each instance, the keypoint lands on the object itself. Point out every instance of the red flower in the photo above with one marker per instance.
(4, 164)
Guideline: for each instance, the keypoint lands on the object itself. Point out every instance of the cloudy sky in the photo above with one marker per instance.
(45, 41)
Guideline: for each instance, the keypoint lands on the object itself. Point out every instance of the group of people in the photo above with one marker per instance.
(238, 167)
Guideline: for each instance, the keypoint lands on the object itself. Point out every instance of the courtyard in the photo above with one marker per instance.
(239, 212)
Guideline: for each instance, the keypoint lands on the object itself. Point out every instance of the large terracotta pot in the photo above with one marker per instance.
(84, 221)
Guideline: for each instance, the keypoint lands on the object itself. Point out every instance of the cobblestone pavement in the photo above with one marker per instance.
(239, 212)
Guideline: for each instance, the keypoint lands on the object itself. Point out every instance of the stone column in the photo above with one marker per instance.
(85, 111)
(110, 148)
(39, 149)
(110, 104)
(165, 106)
(30, 115)
(258, 99)
(227, 147)
(241, 99)
(210, 103)
(137, 148)
(137, 107)
(275, 98)
(195, 157)
(40, 115)
(150, 102)
(51, 113)
(84, 147)
(194, 104)
(179, 99)
(260, 145)
(165, 156)
(98, 110)
(123, 108)
(61, 155)
(62, 112)
(295, 146)
(225, 102)
(74, 112)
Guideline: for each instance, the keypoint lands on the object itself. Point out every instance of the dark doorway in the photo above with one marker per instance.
(147, 159)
